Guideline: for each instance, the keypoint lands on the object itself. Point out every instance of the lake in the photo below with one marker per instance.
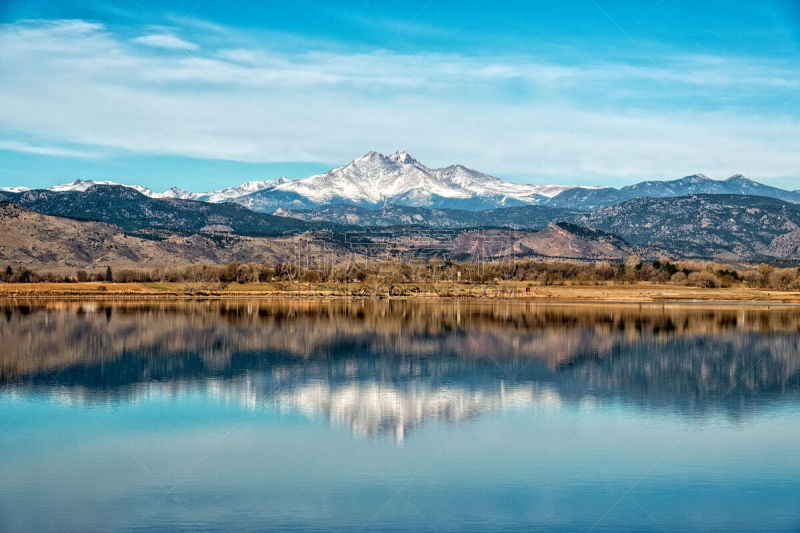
(395, 416)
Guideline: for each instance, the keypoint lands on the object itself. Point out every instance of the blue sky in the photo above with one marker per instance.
(203, 94)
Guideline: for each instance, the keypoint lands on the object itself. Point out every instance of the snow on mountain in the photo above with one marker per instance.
(248, 187)
(173, 192)
(376, 179)
(483, 184)
(180, 194)
(587, 199)
(82, 185)
(372, 179)
(78, 185)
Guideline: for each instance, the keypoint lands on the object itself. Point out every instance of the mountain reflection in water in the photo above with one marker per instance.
(388, 367)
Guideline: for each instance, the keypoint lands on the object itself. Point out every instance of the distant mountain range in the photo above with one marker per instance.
(725, 227)
(394, 203)
(722, 226)
(375, 180)
(729, 227)
(41, 241)
(588, 199)
(522, 217)
(132, 211)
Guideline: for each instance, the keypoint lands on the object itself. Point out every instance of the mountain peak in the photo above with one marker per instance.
(696, 177)
(113, 190)
(82, 185)
(401, 156)
(371, 156)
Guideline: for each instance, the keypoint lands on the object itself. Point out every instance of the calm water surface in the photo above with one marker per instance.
(391, 416)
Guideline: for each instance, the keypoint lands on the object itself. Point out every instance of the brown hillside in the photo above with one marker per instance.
(42, 241)
(559, 241)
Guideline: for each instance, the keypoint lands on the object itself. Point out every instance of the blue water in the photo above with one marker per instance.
(379, 417)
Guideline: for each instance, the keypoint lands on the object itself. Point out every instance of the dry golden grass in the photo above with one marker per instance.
(638, 292)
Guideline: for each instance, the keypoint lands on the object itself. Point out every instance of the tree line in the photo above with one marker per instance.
(533, 271)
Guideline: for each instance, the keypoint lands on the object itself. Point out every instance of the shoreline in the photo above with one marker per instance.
(611, 293)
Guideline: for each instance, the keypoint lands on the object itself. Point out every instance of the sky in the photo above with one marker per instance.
(203, 94)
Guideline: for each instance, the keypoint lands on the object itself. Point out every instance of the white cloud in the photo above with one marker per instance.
(17, 146)
(80, 83)
(164, 40)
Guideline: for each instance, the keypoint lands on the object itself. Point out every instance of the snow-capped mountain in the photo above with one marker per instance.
(221, 195)
(83, 185)
(377, 180)
(180, 194)
(398, 179)
(246, 188)
(371, 181)
(589, 199)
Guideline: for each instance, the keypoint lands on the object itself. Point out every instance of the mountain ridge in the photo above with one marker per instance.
(35, 240)
(589, 199)
(376, 180)
(131, 211)
(711, 226)
(723, 227)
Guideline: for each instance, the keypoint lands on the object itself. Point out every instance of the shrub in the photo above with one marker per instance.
(646, 272)
(784, 279)
(633, 262)
(130, 276)
(604, 271)
(230, 272)
(665, 266)
(751, 278)
(704, 279)
(764, 273)
(678, 278)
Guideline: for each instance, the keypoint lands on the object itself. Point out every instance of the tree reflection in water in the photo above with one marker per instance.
(385, 367)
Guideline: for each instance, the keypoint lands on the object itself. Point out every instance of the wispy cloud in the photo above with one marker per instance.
(81, 83)
(18, 146)
(166, 41)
